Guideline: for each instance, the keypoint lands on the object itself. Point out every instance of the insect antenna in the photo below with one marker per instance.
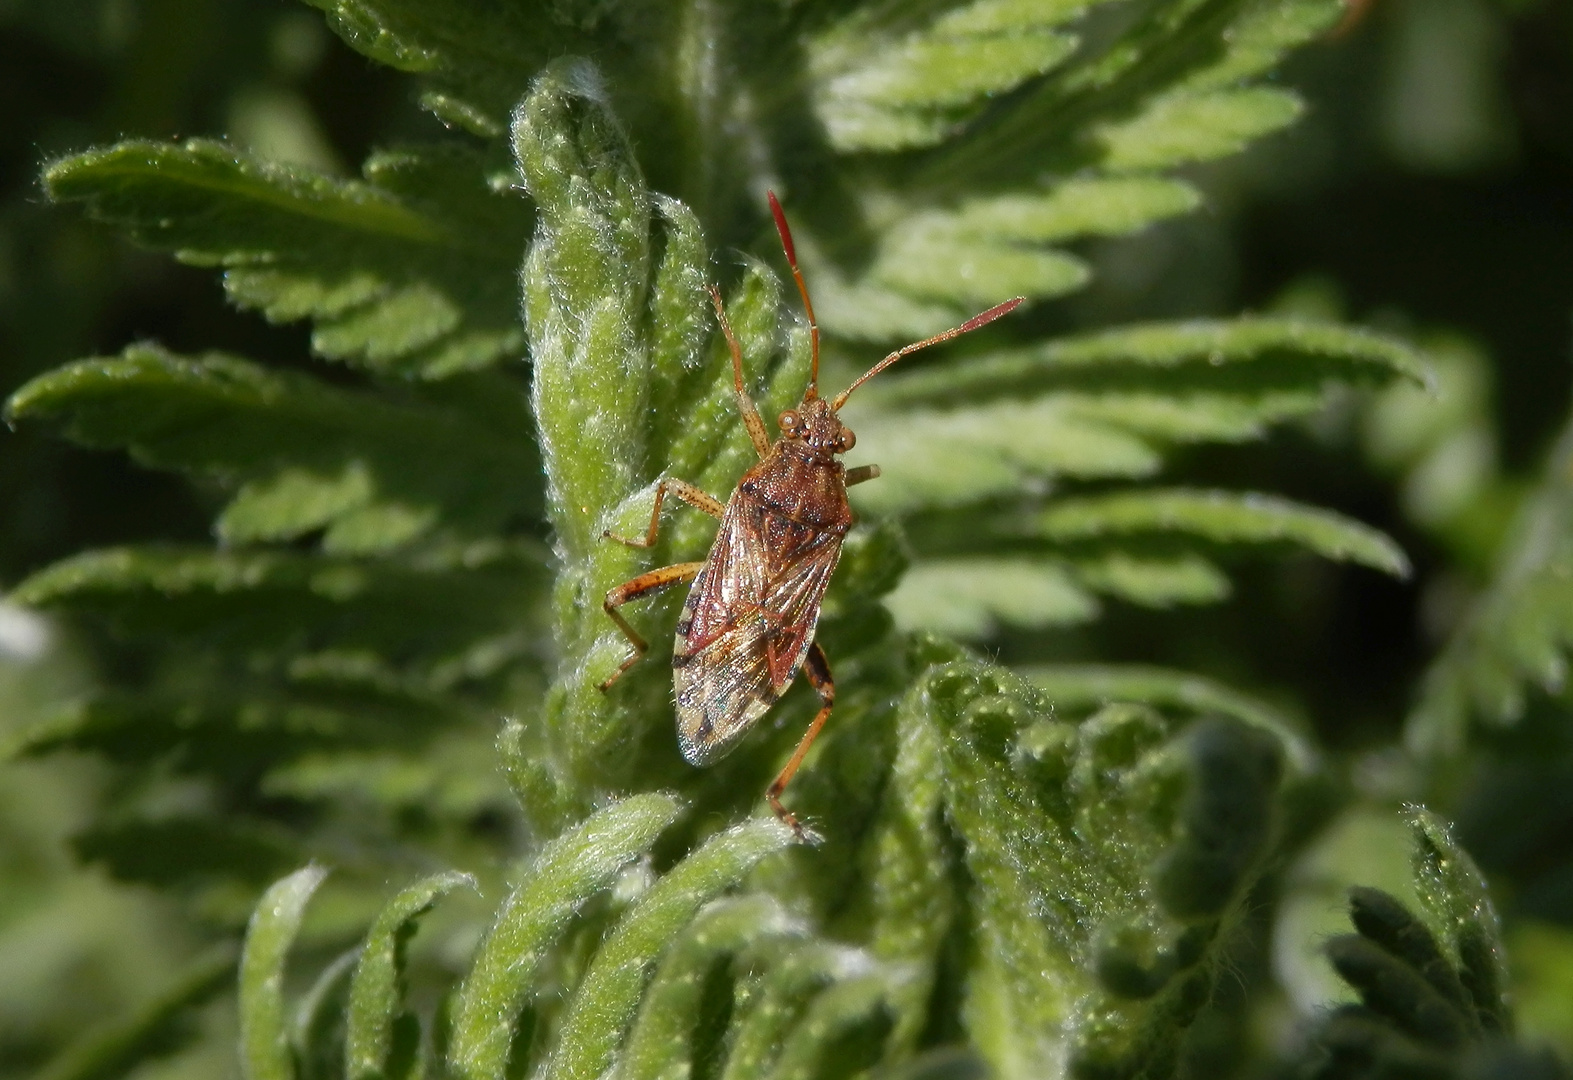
(802, 288)
(971, 324)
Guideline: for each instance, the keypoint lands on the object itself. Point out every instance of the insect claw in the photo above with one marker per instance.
(805, 835)
(605, 685)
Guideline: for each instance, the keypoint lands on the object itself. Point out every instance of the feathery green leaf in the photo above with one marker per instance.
(274, 600)
(264, 1038)
(1219, 517)
(375, 1023)
(672, 1017)
(306, 456)
(1454, 895)
(566, 873)
(966, 598)
(1086, 686)
(1248, 357)
(392, 282)
(609, 994)
(1431, 989)
(1105, 855)
(1520, 631)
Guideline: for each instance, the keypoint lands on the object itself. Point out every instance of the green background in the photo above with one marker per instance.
(1428, 192)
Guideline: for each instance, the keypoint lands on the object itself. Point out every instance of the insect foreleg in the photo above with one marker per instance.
(683, 490)
(745, 404)
(860, 474)
(632, 590)
(817, 668)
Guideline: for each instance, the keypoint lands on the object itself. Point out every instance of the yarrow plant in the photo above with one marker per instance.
(388, 664)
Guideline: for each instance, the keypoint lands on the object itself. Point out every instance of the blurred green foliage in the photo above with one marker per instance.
(335, 604)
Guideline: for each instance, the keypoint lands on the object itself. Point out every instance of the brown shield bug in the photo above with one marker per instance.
(748, 624)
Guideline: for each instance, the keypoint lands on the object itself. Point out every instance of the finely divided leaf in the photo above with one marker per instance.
(1432, 989)
(1192, 45)
(675, 1013)
(781, 999)
(1082, 206)
(566, 873)
(390, 284)
(374, 1014)
(280, 601)
(970, 598)
(476, 57)
(373, 473)
(1246, 357)
(1218, 517)
(953, 458)
(1455, 897)
(1054, 869)
(585, 284)
(1171, 88)
(1105, 854)
(1182, 128)
(607, 997)
(897, 86)
(1520, 631)
(1074, 687)
(264, 1037)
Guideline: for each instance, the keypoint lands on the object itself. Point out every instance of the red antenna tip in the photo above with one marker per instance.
(991, 314)
(781, 227)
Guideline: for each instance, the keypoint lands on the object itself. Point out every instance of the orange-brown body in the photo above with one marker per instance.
(750, 616)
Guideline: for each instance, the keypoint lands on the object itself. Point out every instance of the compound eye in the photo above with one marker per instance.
(790, 422)
(845, 441)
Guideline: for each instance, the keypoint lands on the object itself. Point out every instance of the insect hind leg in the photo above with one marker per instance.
(632, 589)
(817, 668)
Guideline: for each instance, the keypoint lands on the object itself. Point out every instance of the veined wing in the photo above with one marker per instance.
(748, 621)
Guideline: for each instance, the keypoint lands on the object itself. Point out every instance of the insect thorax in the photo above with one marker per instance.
(800, 484)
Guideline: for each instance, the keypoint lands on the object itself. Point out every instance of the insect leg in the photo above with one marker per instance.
(632, 590)
(861, 473)
(683, 490)
(745, 404)
(817, 668)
